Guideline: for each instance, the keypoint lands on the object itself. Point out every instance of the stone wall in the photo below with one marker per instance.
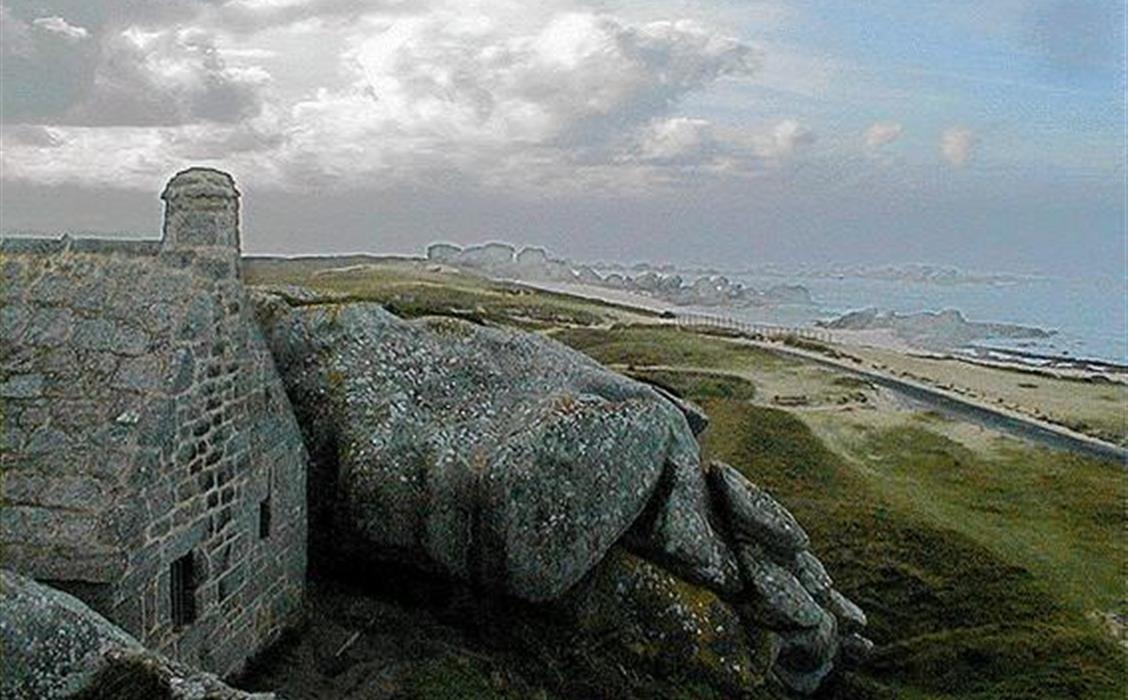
(144, 420)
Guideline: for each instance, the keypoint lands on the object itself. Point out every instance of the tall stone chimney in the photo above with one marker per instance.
(201, 210)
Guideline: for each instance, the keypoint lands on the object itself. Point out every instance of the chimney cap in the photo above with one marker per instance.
(200, 182)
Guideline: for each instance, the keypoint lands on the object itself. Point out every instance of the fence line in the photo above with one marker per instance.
(763, 330)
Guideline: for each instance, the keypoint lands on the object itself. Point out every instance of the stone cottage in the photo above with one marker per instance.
(151, 462)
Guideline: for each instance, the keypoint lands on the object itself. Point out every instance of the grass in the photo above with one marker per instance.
(455, 678)
(664, 346)
(669, 351)
(957, 611)
(714, 385)
(978, 560)
(410, 289)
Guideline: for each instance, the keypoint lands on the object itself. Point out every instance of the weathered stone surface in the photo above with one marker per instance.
(676, 530)
(753, 515)
(201, 209)
(810, 648)
(22, 386)
(812, 574)
(698, 420)
(804, 682)
(807, 656)
(56, 647)
(775, 596)
(668, 624)
(144, 423)
(494, 456)
(787, 589)
(850, 616)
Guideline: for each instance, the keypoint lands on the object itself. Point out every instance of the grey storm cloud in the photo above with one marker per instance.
(31, 135)
(99, 65)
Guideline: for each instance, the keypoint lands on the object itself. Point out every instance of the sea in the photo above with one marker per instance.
(1089, 315)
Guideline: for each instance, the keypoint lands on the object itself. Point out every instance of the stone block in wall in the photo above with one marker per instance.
(128, 381)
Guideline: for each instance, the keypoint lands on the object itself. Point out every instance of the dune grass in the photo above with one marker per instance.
(959, 608)
(714, 385)
(1060, 515)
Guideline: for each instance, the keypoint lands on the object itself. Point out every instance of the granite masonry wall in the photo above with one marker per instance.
(151, 462)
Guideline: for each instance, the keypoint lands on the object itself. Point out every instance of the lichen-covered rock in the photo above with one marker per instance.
(753, 515)
(507, 460)
(786, 587)
(668, 625)
(808, 656)
(677, 531)
(809, 649)
(56, 647)
(850, 616)
(698, 420)
(812, 574)
(855, 648)
(493, 456)
(776, 597)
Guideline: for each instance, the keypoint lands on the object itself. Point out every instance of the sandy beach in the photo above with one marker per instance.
(1074, 401)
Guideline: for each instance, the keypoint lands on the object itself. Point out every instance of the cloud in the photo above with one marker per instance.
(882, 133)
(957, 144)
(679, 139)
(784, 139)
(488, 93)
(249, 16)
(29, 135)
(166, 77)
(54, 72)
(15, 35)
(553, 96)
(42, 73)
(573, 79)
(60, 27)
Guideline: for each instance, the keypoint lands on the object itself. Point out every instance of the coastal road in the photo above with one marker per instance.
(948, 403)
(956, 406)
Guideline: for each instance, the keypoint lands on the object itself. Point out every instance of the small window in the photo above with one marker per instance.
(183, 580)
(264, 518)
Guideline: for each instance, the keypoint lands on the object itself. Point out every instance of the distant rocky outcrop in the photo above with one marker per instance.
(939, 330)
(536, 265)
(508, 461)
(56, 647)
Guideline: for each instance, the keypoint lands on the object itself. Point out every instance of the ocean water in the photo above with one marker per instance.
(1089, 314)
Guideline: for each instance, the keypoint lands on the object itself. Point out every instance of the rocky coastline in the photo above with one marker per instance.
(530, 264)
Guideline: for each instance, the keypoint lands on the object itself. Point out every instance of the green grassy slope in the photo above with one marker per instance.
(410, 289)
(976, 567)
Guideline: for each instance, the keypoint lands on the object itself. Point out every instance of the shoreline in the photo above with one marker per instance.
(879, 339)
(1019, 421)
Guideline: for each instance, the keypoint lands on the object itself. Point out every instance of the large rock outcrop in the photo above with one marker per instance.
(509, 461)
(56, 647)
(492, 456)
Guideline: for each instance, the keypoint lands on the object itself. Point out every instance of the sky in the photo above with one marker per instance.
(984, 134)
